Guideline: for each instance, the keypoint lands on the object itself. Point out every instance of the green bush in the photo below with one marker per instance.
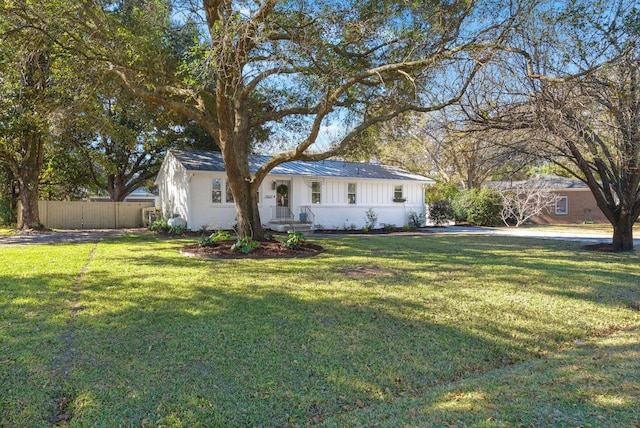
(478, 207)
(371, 219)
(206, 241)
(440, 211)
(416, 220)
(213, 239)
(246, 245)
(7, 212)
(220, 235)
(388, 227)
(160, 225)
(294, 240)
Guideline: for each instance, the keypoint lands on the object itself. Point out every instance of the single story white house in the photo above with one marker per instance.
(325, 194)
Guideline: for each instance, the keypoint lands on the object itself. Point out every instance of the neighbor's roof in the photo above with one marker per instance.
(548, 182)
(203, 160)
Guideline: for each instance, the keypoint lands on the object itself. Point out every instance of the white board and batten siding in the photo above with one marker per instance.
(188, 193)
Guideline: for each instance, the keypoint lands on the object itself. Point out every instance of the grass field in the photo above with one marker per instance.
(388, 330)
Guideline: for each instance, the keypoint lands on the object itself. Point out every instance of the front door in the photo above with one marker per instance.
(283, 193)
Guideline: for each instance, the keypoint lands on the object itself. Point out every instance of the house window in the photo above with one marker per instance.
(562, 205)
(397, 193)
(315, 192)
(216, 190)
(229, 194)
(351, 193)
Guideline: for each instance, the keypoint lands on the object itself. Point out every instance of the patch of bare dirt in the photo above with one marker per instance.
(365, 272)
(267, 249)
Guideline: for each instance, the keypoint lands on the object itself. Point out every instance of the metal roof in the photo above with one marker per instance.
(548, 182)
(203, 160)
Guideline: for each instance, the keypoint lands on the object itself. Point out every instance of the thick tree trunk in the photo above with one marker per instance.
(623, 235)
(28, 190)
(28, 174)
(247, 213)
(116, 188)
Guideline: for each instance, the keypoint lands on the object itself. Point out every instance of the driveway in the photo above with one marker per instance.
(529, 233)
(60, 236)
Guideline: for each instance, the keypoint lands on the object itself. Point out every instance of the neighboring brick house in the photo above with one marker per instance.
(575, 203)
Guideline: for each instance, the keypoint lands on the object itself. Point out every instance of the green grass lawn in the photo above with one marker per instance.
(435, 330)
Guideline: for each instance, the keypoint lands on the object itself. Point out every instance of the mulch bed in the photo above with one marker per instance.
(267, 249)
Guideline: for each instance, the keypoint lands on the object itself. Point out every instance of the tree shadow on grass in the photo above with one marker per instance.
(215, 356)
(225, 344)
(596, 383)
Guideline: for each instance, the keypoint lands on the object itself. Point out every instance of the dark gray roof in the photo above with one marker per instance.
(202, 160)
(548, 182)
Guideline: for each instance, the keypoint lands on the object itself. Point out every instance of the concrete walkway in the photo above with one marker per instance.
(528, 233)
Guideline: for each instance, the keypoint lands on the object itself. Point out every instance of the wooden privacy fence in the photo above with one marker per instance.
(90, 214)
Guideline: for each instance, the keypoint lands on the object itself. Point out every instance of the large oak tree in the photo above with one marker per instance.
(288, 67)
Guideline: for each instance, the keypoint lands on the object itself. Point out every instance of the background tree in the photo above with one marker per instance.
(524, 201)
(440, 146)
(289, 67)
(25, 115)
(579, 100)
(8, 196)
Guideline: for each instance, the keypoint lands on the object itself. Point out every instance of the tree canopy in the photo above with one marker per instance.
(571, 81)
(244, 70)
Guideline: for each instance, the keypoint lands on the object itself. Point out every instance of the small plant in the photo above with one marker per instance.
(388, 227)
(406, 228)
(220, 235)
(206, 241)
(416, 220)
(371, 218)
(268, 236)
(245, 244)
(294, 240)
(176, 230)
(365, 229)
(160, 226)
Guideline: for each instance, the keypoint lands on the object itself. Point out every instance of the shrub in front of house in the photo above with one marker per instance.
(439, 198)
(478, 207)
(440, 212)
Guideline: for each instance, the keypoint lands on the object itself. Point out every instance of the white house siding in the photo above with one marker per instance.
(173, 189)
(205, 212)
(334, 211)
(187, 193)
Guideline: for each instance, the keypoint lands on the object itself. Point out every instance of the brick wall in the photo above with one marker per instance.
(581, 207)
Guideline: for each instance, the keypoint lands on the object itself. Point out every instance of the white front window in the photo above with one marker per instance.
(216, 190)
(562, 205)
(351, 193)
(397, 193)
(315, 192)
